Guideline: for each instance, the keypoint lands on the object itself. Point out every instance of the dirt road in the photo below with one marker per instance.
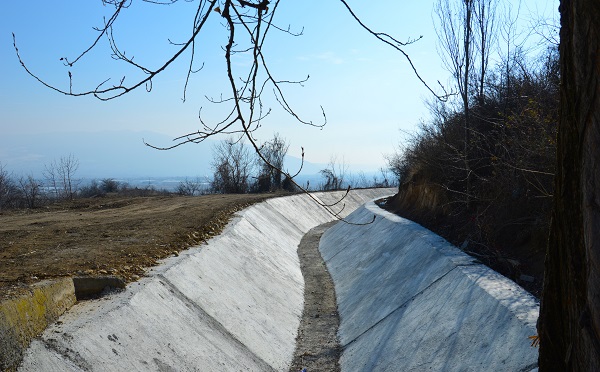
(121, 236)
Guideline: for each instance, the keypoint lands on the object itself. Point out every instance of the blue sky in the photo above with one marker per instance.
(367, 89)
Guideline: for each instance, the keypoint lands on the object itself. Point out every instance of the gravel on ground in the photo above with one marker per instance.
(317, 344)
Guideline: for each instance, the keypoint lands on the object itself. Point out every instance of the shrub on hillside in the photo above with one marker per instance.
(492, 194)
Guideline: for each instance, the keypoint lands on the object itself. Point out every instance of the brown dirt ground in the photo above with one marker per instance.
(112, 235)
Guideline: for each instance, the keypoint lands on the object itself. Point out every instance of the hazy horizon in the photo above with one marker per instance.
(122, 155)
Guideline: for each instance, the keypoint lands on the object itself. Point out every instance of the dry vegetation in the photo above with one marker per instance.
(493, 196)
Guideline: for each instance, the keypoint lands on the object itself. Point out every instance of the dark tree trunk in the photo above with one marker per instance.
(569, 325)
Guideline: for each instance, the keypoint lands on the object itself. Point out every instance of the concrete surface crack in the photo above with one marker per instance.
(404, 304)
(213, 323)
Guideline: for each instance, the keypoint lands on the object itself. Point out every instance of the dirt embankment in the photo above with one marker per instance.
(120, 236)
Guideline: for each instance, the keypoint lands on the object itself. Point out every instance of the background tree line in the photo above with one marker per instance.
(60, 183)
(236, 169)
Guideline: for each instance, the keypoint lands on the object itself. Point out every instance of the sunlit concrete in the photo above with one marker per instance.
(409, 301)
(233, 304)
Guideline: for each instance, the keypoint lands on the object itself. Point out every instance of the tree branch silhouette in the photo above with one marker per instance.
(247, 24)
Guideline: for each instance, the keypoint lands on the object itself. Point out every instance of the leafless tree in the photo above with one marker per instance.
(334, 174)
(466, 30)
(397, 164)
(30, 190)
(110, 185)
(486, 34)
(7, 188)
(360, 180)
(189, 187)
(270, 174)
(510, 47)
(61, 176)
(547, 27)
(232, 165)
(387, 179)
(456, 40)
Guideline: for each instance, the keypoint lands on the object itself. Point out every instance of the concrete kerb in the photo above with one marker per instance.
(233, 304)
(25, 317)
(408, 300)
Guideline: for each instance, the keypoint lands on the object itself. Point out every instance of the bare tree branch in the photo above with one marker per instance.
(247, 23)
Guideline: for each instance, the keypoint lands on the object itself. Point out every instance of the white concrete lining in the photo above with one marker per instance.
(410, 301)
(233, 304)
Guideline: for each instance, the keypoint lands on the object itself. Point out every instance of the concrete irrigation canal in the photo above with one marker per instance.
(407, 301)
